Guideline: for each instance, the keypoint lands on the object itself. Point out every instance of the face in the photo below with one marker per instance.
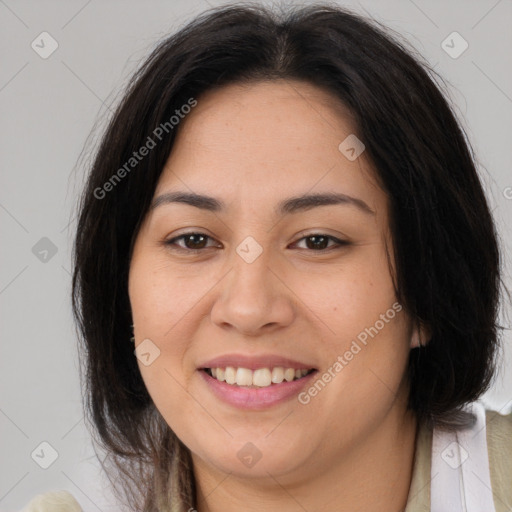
(253, 282)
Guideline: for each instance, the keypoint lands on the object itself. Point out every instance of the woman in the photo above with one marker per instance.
(285, 219)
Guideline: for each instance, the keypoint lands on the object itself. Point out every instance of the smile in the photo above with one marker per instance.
(256, 397)
(260, 378)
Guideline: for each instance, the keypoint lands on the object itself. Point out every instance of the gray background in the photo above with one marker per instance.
(48, 108)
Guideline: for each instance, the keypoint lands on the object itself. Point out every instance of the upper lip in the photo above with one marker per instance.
(254, 362)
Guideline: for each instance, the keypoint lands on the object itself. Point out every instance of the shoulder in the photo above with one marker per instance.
(498, 424)
(499, 450)
(499, 447)
(55, 501)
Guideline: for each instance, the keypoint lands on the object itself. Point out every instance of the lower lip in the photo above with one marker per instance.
(253, 398)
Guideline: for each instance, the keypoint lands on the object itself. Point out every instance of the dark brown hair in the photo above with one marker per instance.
(444, 239)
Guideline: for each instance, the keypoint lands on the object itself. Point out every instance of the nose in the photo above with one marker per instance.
(253, 298)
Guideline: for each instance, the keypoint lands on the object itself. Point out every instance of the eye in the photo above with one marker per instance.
(319, 242)
(195, 242)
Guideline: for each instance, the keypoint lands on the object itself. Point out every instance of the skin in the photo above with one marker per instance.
(351, 448)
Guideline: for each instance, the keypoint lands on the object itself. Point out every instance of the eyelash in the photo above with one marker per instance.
(171, 243)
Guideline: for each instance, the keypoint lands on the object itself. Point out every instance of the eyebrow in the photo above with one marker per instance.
(287, 206)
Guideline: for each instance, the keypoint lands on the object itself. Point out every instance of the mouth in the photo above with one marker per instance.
(258, 378)
(258, 389)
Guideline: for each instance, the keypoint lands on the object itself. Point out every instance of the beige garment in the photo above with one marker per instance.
(499, 449)
(499, 446)
(55, 501)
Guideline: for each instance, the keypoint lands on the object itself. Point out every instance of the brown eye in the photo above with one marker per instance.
(317, 242)
(191, 241)
(320, 242)
(195, 242)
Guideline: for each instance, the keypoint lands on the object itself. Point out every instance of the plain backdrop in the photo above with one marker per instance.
(48, 109)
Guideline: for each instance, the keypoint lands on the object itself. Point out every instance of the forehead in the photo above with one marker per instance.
(264, 140)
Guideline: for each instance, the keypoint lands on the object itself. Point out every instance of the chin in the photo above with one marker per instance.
(255, 459)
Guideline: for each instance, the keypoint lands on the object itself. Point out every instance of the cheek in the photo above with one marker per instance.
(365, 329)
(351, 295)
(161, 296)
(156, 311)
(365, 364)
(157, 307)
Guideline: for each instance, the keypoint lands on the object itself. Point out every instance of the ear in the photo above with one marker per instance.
(421, 335)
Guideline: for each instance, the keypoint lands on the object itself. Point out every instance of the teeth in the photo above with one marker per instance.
(230, 375)
(278, 375)
(289, 374)
(243, 377)
(262, 377)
